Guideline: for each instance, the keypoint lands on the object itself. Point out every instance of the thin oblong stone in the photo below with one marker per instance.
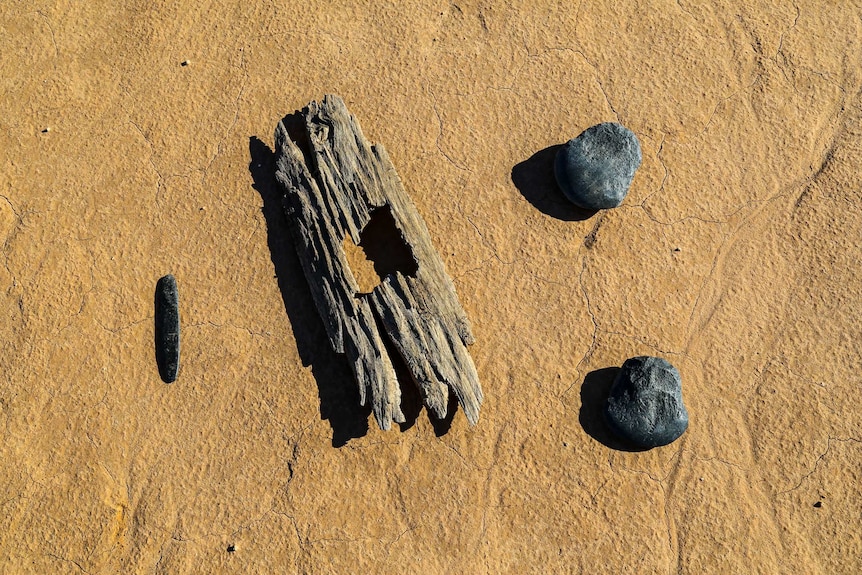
(167, 328)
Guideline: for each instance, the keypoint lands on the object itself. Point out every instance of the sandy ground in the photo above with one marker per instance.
(735, 256)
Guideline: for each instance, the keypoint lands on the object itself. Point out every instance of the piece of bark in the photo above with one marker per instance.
(333, 180)
(167, 328)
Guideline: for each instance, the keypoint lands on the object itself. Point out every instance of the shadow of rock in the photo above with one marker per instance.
(594, 395)
(339, 396)
(534, 178)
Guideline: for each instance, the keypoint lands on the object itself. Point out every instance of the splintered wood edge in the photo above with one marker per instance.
(332, 185)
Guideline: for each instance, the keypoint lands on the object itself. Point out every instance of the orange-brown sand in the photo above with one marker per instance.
(735, 256)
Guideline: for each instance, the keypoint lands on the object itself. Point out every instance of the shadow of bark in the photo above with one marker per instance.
(337, 389)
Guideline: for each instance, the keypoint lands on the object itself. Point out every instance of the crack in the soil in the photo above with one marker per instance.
(829, 440)
(151, 160)
(210, 323)
(53, 37)
(440, 137)
(219, 146)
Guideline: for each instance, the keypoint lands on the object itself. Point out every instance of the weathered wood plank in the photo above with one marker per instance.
(333, 181)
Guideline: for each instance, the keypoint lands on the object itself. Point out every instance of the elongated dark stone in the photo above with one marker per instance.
(167, 328)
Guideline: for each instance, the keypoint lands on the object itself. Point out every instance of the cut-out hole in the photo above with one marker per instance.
(382, 251)
(362, 268)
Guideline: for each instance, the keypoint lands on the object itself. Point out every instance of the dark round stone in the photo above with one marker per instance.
(596, 169)
(645, 404)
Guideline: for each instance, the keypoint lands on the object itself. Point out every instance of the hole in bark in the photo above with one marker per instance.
(382, 251)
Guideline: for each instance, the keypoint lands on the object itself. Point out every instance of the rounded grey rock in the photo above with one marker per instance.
(595, 170)
(645, 405)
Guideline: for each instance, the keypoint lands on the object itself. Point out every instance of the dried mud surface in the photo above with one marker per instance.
(735, 256)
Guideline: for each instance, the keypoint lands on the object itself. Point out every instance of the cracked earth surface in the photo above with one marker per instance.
(735, 255)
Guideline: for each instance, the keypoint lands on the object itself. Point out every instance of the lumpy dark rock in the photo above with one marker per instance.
(645, 405)
(595, 170)
(167, 328)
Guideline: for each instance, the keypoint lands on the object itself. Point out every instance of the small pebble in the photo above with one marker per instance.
(595, 170)
(645, 405)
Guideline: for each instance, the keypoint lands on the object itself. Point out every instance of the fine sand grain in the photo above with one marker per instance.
(136, 141)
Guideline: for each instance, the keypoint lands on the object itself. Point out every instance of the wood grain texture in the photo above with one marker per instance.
(333, 180)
